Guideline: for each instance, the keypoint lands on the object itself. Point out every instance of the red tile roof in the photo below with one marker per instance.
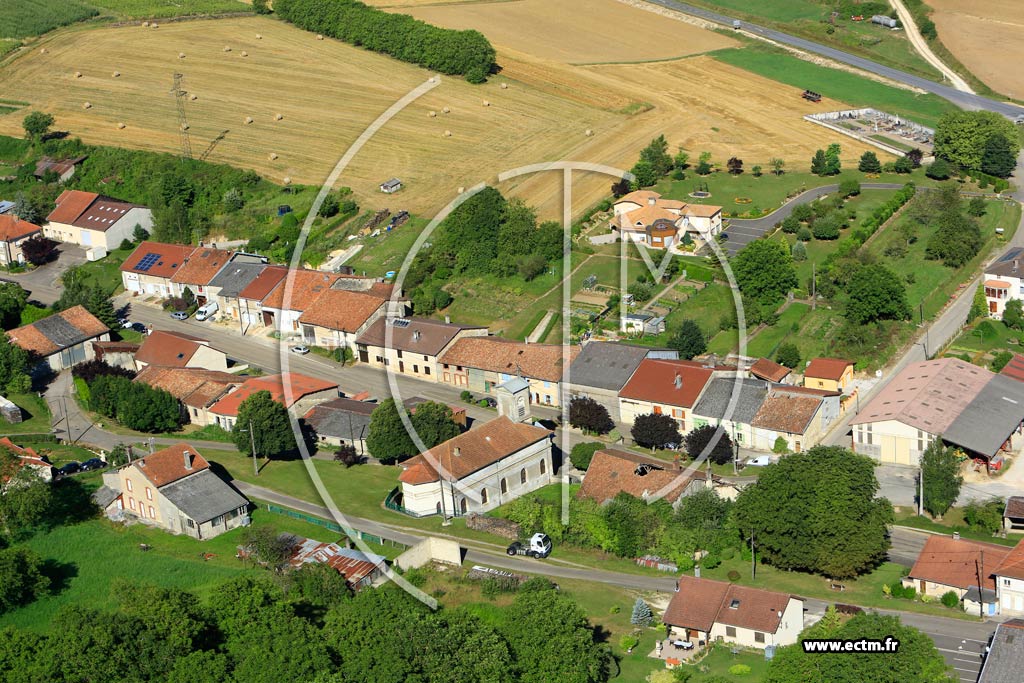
(194, 387)
(769, 370)
(303, 287)
(701, 603)
(416, 335)
(26, 456)
(13, 228)
(70, 205)
(168, 259)
(168, 465)
(201, 266)
(955, 562)
(58, 331)
(827, 368)
(669, 382)
(1012, 565)
(103, 213)
(263, 284)
(536, 361)
(298, 386)
(472, 450)
(613, 471)
(342, 310)
(1015, 368)
(173, 349)
(784, 412)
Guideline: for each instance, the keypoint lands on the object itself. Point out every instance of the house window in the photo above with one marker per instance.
(463, 506)
(483, 496)
(820, 383)
(191, 524)
(129, 483)
(657, 410)
(758, 637)
(380, 359)
(522, 476)
(425, 358)
(149, 493)
(730, 631)
(547, 385)
(504, 485)
(217, 521)
(399, 353)
(543, 467)
(131, 502)
(426, 370)
(416, 369)
(547, 399)
(152, 512)
(1006, 582)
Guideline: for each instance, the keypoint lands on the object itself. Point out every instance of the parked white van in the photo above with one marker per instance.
(207, 311)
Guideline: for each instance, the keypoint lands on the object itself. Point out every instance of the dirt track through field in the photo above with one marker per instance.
(987, 37)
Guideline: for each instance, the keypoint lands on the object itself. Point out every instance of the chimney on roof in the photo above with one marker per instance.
(1015, 263)
(956, 535)
(651, 201)
(679, 381)
(415, 335)
(456, 451)
(447, 320)
(188, 460)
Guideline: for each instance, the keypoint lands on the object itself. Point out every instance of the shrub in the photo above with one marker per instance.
(804, 235)
(733, 575)
(739, 669)
(950, 599)
(628, 641)
(583, 453)
(466, 396)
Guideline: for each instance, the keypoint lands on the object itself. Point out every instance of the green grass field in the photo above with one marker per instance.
(841, 85)
(35, 414)
(26, 18)
(160, 9)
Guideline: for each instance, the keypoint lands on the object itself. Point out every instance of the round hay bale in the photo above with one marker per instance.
(504, 86)
(248, 119)
(259, 36)
(244, 53)
(193, 97)
(486, 103)
(286, 181)
(154, 25)
(87, 105)
(120, 126)
(227, 48)
(42, 51)
(462, 189)
(446, 110)
(432, 114)
(278, 117)
(78, 74)
(272, 156)
(181, 55)
(116, 74)
(447, 133)
(145, 24)
(588, 132)
(319, 36)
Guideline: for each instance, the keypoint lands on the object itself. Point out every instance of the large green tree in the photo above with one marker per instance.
(1013, 314)
(869, 163)
(587, 414)
(876, 293)
(389, 441)
(13, 299)
(817, 511)
(957, 239)
(14, 366)
(688, 340)
(999, 157)
(961, 136)
(941, 479)
(915, 661)
(764, 270)
(266, 421)
(21, 578)
(700, 438)
(37, 124)
(655, 430)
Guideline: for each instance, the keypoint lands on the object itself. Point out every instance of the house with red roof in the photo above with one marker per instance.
(830, 374)
(769, 370)
(199, 268)
(703, 611)
(797, 415)
(476, 471)
(197, 389)
(951, 563)
(61, 340)
(646, 217)
(1009, 574)
(664, 387)
(347, 309)
(13, 233)
(613, 471)
(93, 220)
(179, 350)
(1004, 282)
(26, 458)
(290, 389)
(148, 270)
(173, 489)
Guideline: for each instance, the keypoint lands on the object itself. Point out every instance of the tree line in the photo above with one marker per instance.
(467, 53)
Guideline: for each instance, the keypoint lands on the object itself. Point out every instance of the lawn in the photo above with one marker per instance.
(35, 415)
(765, 342)
(107, 271)
(952, 521)
(847, 87)
(159, 9)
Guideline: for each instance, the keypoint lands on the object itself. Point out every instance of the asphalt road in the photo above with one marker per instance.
(744, 231)
(962, 99)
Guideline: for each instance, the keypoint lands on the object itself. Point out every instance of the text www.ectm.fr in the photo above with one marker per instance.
(886, 645)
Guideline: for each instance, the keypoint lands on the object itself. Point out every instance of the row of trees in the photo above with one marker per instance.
(253, 629)
(135, 405)
(449, 51)
(389, 441)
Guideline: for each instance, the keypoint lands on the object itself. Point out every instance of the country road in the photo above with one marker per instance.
(962, 99)
(922, 48)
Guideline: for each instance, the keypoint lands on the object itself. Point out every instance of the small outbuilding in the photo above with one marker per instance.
(391, 186)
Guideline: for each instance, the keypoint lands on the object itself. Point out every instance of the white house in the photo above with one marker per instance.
(92, 220)
(1009, 575)
(13, 233)
(644, 216)
(478, 470)
(1003, 282)
(62, 340)
(703, 611)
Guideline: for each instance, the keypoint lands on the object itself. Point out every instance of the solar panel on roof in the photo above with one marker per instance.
(400, 322)
(147, 262)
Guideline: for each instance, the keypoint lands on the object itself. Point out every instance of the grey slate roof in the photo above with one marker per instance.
(61, 332)
(604, 365)
(234, 277)
(990, 418)
(515, 384)
(1005, 660)
(717, 395)
(341, 418)
(1006, 267)
(104, 496)
(203, 496)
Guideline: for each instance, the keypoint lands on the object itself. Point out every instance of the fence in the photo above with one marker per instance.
(331, 526)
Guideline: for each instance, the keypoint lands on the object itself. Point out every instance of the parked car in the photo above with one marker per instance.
(139, 327)
(301, 349)
(125, 323)
(723, 236)
(207, 311)
(759, 461)
(180, 315)
(70, 468)
(93, 464)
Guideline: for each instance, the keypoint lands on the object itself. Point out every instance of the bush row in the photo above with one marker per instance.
(467, 53)
(871, 224)
(134, 405)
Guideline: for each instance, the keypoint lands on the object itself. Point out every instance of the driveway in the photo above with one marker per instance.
(43, 283)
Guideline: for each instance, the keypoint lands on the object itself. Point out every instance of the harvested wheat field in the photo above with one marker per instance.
(325, 91)
(987, 37)
(576, 31)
